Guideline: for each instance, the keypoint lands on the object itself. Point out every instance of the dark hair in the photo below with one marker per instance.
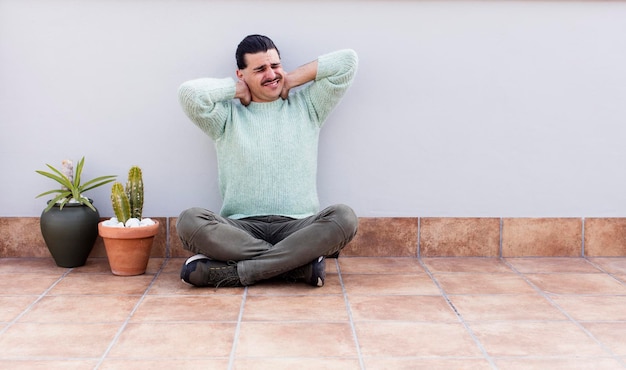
(253, 44)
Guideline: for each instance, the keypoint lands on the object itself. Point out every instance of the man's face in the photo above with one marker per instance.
(263, 75)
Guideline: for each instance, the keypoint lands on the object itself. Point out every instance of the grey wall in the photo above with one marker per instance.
(459, 108)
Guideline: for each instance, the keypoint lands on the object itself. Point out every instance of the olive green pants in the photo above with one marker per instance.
(267, 246)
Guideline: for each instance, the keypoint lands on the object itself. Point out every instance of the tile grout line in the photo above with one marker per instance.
(39, 298)
(569, 317)
(612, 275)
(130, 315)
(231, 359)
(459, 316)
(350, 318)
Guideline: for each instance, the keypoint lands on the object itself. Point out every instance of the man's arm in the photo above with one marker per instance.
(299, 76)
(335, 73)
(206, 102)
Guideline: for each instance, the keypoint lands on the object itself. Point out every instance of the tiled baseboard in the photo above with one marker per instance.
(401, 237)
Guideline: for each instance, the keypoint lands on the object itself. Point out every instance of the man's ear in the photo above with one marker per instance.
(239, 74)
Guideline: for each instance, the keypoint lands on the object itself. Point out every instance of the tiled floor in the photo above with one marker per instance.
(373, 313)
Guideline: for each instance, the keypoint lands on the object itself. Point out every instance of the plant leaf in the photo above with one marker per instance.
(79, 171)
(63, 202)
(98, 181)
(59, 177)
(64, 195)
(86, 202)
(51, 192)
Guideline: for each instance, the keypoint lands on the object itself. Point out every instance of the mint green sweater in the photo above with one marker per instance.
(267, 152)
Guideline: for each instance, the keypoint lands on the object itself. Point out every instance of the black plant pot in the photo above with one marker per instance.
(70, 233)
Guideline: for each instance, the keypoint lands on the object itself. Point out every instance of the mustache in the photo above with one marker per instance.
(277, 78)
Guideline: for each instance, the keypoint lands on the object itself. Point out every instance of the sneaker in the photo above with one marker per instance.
(201, 271)
(312, 273)
(315, 272)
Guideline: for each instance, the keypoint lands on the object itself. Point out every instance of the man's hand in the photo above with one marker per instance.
(242, 92)
(286, 87)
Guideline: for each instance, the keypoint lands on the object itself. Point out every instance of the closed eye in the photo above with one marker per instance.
(264, 67)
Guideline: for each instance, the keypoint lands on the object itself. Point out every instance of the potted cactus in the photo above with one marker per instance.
(69, 223)
(128, 236)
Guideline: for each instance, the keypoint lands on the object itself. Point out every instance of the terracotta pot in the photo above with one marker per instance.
(128, 248)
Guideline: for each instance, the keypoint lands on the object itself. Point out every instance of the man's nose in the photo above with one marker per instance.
(271, 74)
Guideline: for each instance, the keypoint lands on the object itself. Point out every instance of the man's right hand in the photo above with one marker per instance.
(242, 92)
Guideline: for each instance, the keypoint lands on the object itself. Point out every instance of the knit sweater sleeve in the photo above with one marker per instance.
(207, 102)
(335, 73)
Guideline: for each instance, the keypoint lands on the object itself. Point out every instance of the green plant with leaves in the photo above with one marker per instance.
(71, 187)
(128, 202)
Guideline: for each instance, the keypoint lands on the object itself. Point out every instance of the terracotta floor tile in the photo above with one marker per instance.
(467, 264)
(26, 364)
(610, 265)
(300, 363)
(577, 283)
(380, 265)
(100, 265)
(412, 363)
(183, 340)
(81, 309)
(401, 307)
(279, 339)
(332, 266)
(535, 338)
(26, 284)
(281, 287)
(30, 266)
(576, 362)
(188, 308)
(552, 264)
(505, 307)
(173, 265)
(611, 334)
(13, 306)
(154, 265)
(593, 308)
(295, 308)
(395, 338)
(56, 341)
(465, 283)
(390, 284)
(164, 363)
(54, 317)
(170, 284)
(98, 284)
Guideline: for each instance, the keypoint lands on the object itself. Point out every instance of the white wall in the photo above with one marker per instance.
(459, 108)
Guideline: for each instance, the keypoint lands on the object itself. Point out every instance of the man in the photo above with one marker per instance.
(266, 142)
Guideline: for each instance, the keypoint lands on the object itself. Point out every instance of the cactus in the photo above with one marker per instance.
(128, 203)
(121, 204)
(134, 191)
